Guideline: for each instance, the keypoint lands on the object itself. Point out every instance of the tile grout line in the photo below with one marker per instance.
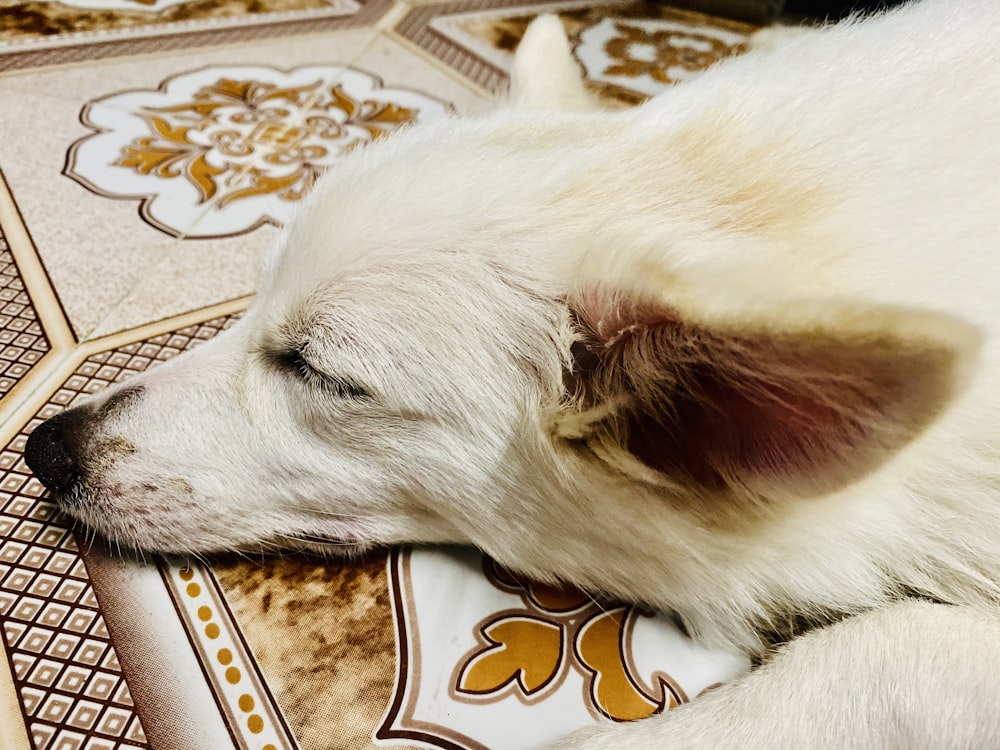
(164, 325)
(388, 20)
(32, 271)
(65, 353)
(48, 309)
(33, 386)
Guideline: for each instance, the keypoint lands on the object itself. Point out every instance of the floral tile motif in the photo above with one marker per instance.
(39, 32)
(22, 341)
(220, 151)
(529, 652)
(629, 51)
(514, 659)
(647, 55)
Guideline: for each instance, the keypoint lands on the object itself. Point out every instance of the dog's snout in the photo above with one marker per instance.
(120, 401)
(49, 454)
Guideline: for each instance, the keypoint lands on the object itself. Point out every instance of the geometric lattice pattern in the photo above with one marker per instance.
(22, 341)
(62, 660)
(72, 688)
(101, 370)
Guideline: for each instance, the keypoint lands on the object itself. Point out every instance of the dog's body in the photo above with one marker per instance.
(734, 353)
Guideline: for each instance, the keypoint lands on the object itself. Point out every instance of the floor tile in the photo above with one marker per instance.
(94, 249)
(628, 50)
(126, 205)
(188, 278)
(222, 150)
(152, 149)
(51, 619)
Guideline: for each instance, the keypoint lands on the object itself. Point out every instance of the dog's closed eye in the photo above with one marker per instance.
(293, 361)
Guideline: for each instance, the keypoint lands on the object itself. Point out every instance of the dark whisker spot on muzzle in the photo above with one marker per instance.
(120, 401)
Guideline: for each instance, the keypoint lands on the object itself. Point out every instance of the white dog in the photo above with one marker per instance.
(734, 353)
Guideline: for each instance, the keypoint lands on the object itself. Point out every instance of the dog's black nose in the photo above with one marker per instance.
(49, 456)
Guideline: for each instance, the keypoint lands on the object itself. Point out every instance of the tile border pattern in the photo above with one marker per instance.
(426, 26)
(346, 14)
(251, 710)
(416, 28)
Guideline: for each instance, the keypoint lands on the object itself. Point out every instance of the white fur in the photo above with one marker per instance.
(837, 193)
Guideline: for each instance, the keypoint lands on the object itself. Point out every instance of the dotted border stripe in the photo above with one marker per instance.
(231, 667)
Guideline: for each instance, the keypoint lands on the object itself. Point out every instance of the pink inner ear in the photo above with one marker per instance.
(762, 412)
(726, 424)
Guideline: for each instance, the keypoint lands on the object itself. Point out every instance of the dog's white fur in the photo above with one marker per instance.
(787, 269)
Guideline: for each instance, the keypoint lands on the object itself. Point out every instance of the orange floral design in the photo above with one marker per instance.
(662, 50)
(522, 649)
(231, 148)
(241, 138)
(529, 651)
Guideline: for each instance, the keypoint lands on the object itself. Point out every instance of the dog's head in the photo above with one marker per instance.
(456, 343)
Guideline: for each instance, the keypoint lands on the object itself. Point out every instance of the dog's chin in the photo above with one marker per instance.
(96, 512)
(320, 544)
(71, 499)
(99, 520)
(131, 546)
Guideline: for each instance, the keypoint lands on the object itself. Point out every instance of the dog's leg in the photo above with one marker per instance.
(913, 675)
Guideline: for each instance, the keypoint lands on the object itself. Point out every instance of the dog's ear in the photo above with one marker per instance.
(544, 75)
(778, 403)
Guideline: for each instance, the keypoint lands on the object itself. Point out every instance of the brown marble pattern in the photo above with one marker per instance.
(322, 633)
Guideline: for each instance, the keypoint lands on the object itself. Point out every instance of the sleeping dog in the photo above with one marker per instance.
(734, 353)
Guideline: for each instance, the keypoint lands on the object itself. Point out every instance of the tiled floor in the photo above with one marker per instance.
(150, 150)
